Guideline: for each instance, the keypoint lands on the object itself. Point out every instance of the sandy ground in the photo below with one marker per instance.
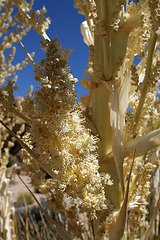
(17, 187)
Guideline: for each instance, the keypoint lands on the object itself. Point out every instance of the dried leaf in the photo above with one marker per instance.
(131, 23)
(143, 144)
(118, 106)
(87, 36)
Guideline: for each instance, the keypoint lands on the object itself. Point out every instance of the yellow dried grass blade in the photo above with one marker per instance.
(46, 229)
(116, 229)
(60, 230)
(34, 225)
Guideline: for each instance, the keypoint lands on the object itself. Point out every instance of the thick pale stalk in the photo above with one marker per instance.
(101, 120)
(106, 10)
(112, 192)
(100, 99)
(109, 52)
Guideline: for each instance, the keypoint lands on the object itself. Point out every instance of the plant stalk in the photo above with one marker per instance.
(101, 120)
(147, 75)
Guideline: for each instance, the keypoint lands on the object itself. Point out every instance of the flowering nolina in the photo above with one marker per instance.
(66, 161)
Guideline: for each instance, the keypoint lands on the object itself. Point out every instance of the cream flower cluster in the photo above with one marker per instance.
(138, 202)
(61, 140)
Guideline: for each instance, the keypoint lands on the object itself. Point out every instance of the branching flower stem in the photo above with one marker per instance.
(147, 74)
(28, 55)
(21, 115)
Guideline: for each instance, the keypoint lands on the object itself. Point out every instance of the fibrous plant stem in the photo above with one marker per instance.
(147, 75)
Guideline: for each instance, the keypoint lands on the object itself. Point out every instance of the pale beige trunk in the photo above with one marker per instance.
(106, 57)
(101, 120)
(109, 50)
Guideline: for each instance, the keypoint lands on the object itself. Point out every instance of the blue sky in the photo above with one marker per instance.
(66, 24)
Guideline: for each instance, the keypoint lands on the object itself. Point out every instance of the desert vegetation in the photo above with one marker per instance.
(97, 161)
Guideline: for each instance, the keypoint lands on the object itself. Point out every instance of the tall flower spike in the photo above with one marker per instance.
(61, 140)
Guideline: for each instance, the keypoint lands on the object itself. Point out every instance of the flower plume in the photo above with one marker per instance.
(60, 138)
